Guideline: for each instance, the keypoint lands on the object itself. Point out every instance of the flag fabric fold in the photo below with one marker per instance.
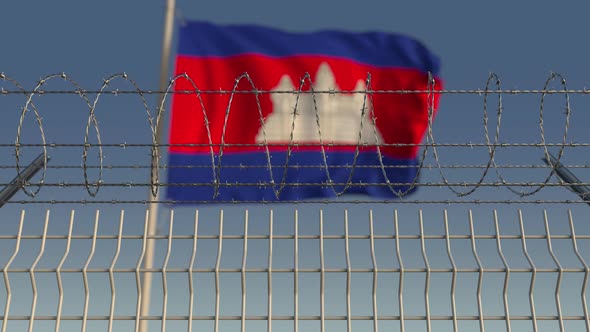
(269, 115)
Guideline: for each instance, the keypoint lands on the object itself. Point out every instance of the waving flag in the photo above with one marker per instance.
(284, 135)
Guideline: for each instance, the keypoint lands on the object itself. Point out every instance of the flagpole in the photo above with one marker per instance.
(153, 205)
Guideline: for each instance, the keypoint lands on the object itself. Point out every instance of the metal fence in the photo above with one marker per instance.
(491, 240)
(308, 276)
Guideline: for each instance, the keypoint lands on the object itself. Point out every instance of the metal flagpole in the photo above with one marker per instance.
(153, 206)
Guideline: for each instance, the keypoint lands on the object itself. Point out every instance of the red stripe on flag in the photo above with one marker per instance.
(400, 118)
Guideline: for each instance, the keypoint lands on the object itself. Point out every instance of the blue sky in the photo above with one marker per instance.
(521, 41)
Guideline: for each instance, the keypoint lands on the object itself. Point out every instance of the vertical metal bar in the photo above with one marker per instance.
(375, 270)
(296, 272)
(217, 266)
(159, 138)
(534, 274)
(243, 273)
(427, 281)
(190, 274)
(270, 231)
(32, 272)
(164, 271)
(348, 273)
(139, 312)
(58, 273)
(7, 267)
(506, 276)
(112, 274)
(85, 272)
(401, 274)
(559, 275)
(480, 274)
(454, 278)
(586, 270)
(148, 264)
(322, 275)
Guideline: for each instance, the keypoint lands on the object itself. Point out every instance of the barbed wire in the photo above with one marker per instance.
(480, 92)
(404, 201)
(426, 166)
(430, 145)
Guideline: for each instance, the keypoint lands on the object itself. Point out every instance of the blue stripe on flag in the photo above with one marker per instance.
(233, 178)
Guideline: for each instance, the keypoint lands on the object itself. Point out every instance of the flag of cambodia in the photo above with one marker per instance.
(260, 114)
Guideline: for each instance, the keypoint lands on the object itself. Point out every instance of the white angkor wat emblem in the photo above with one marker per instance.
(339, 114)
